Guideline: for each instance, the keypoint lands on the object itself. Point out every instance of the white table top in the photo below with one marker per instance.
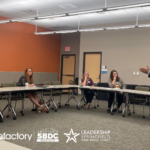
(23, 88)
(62, 86)
(13, 89)
(116, 90)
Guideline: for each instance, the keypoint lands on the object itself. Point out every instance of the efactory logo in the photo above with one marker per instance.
(16, 136)
(47, 135)
(71, 136)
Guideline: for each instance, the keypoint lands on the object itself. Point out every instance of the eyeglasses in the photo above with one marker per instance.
(86, 74)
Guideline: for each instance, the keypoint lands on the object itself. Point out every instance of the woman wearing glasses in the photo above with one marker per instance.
(89, 94)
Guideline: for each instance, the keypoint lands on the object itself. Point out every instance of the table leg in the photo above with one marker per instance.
(1, 117)
(51, 100)
(10, 107)
(126, 104)
(60, 100)
(42, 95)
(22, 111)
(72, 97)
(82, 99)
(114, 102)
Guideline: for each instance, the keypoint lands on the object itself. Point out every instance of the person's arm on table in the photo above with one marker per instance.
(84, 82)
(92, 84)
(123, 86)
(112, 83)
(31, 85)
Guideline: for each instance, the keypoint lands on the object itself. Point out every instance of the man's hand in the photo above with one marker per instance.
(145, 70)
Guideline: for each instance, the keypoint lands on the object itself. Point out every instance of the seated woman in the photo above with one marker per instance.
(113, 80)
(28, 78)
(86, 81)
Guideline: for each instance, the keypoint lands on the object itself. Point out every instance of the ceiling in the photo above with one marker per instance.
(28, 8)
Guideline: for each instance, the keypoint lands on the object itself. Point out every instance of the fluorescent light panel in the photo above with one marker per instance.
(86, 12)
(43, 33)
(120, 27)
(4, 21)
(90, 30)
(54, 16)
(130, 6)
(22, 20)
(144, 25)
(66, 31)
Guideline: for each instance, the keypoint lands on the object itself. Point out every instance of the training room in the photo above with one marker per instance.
(74, 74)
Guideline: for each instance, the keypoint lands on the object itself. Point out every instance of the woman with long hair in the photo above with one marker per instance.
(113, 81)
(28, 78)
(89, 94)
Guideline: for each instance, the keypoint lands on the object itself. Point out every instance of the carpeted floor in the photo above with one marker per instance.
(128, 133)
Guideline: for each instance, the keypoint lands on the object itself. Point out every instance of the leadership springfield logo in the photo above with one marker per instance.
(95, 135)
(16, 136)
(71, 136)
(47, 135)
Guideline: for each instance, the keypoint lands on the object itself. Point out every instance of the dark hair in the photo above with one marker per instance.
(111, 75)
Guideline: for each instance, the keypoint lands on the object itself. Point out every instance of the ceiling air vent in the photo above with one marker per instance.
(30, 11)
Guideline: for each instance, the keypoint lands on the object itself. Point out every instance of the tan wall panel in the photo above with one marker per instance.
(68, 64)
(92, 66)
(65, 79)
(123, 50)
(73, 41)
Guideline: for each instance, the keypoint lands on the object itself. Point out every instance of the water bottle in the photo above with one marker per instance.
(80, 82)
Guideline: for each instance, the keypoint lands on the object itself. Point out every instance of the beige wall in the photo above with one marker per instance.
(124, 50)
(72, 40)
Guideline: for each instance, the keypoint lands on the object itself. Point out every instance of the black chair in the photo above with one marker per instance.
(102, 95)
(139, 99)
(131, 87)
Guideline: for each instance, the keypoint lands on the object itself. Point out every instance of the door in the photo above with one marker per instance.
(92, 64)
(68, 68)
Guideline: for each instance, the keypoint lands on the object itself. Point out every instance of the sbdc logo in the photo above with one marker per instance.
(47, 135)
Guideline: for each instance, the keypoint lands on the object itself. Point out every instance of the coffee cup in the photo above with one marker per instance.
(26, 84)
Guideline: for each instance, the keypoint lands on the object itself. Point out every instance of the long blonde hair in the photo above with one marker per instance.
(84, 77)
(29, 78)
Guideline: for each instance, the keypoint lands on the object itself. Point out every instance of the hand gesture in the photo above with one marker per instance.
(145, 70)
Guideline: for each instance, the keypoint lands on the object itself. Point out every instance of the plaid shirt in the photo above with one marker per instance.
(23, 80)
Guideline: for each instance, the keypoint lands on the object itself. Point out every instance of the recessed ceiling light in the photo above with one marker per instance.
(68, 6)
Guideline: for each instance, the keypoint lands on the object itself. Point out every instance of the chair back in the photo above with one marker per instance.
(8, 84)
(47, 83)
(56, 83)
(71, 82)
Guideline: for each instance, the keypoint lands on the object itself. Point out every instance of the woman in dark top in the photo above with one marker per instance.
(28, 78)
(113, 81)
(89, 94)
